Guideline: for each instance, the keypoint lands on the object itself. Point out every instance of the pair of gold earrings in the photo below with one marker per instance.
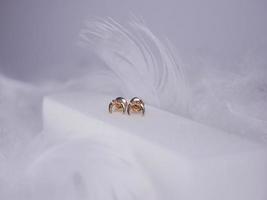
(120, 104)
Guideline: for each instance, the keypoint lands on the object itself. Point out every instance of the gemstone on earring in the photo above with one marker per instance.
(136, 105)
(119, 105)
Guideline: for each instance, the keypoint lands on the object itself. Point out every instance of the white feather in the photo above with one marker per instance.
(145, 66)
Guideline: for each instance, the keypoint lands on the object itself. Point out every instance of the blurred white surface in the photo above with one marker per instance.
(177, 157)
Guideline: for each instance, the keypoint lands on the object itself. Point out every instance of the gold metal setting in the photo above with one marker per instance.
(118, 105)
(136, 105)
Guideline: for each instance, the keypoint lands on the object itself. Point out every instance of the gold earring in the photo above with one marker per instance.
(136, 105)
(119, 105)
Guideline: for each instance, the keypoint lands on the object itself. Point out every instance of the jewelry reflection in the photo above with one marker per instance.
(136, 105)
(118, 105)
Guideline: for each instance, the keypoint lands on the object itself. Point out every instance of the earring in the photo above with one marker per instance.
(119, 104)
(136, 105)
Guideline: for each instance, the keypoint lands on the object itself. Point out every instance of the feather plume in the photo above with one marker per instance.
(144, 65)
